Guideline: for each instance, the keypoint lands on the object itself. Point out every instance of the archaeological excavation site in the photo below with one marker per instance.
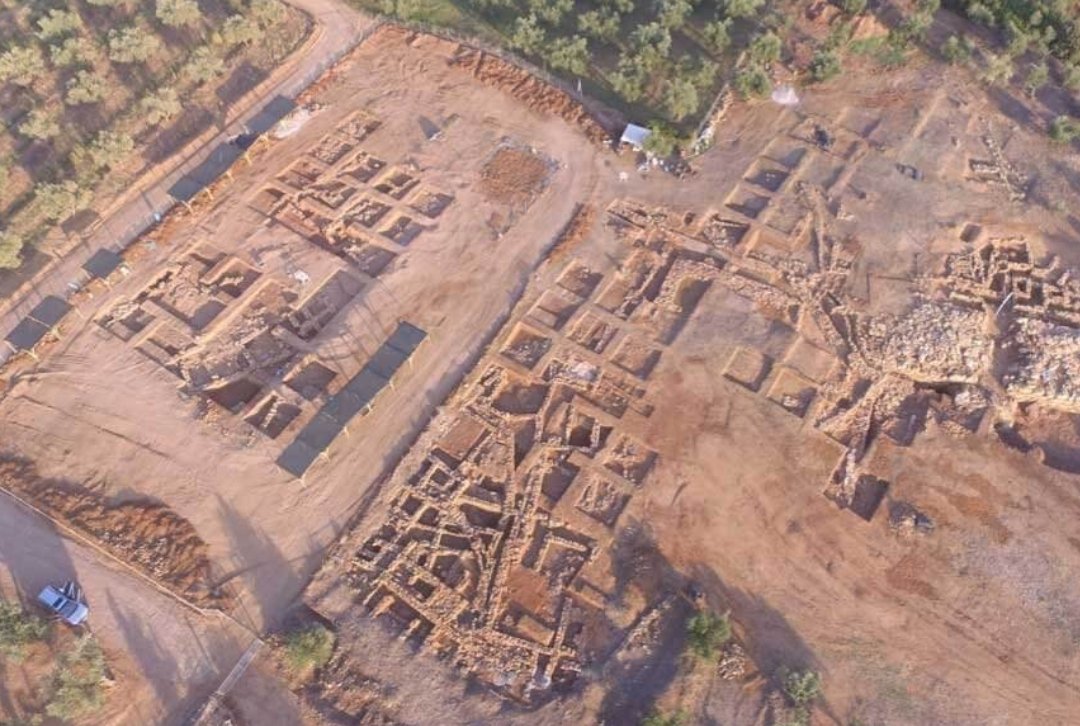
(442, 406)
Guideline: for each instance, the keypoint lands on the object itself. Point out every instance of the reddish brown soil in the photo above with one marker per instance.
(149, 536)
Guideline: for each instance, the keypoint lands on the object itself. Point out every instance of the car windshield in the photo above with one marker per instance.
(57, 603)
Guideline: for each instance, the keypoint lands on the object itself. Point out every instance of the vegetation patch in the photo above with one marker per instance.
(18, 629)
(90, 94)
(307, 649)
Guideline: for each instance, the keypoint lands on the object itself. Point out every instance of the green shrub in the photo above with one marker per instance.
(79, 680)
(717, 34)
(824, 65)
(1064, 129)
(706, 631)
(802, 687)
(999, 69)
(853, 7)
(681, 98)
(765, 49)
(956, 49)
(752, 82)
(1037, 77)
(308, 648)
(18, 628)
(742, 8)
(663, 141)
(602, 24)
(656, 718)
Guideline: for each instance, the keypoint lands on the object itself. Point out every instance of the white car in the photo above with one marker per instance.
(65, 603)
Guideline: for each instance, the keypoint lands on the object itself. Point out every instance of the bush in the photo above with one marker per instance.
(85, 87)
(824, 65)
(1037, 77)
(1064, 129)
(717, 34)
(681, 98)
(705, 632)
(752, 82)
(999, 69)
(957, 50)
(765, 49)
(656, 718)
(178, 13)
(18, 628)
(853, 7)
(663, 141)
(602, 24)
(78, 682)
(802, 687)
(11, 246)
(742, 8)
(308, 648)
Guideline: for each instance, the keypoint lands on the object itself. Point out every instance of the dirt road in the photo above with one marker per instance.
(181, 653)
(338, 28)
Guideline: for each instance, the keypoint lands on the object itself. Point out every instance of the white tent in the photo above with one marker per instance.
(635, 136)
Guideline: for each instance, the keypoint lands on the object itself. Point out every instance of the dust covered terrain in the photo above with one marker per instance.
(505, 410)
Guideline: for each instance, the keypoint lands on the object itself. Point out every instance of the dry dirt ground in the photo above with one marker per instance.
(829, 383)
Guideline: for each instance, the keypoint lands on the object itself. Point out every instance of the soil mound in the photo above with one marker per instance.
(147, 535)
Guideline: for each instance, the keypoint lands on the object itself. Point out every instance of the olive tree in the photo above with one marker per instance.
(85, 87)
(178, 13)
(203, 65)
(570, 55)
(58, 23)
(109, 148)
(40, 124)
(161, 105)
(238, 30)
(21, 65)
(132, 45)
(54, 202)
(74, 51)
(11, 246)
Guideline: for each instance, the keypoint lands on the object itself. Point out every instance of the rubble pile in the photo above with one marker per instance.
(1048, 366)
(932, 343)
